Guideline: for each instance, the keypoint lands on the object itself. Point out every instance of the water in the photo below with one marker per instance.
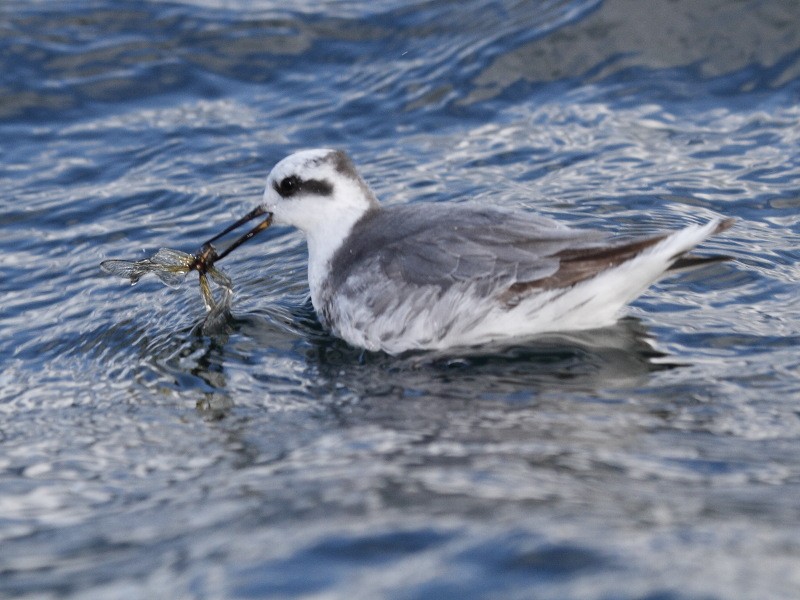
(140, 457)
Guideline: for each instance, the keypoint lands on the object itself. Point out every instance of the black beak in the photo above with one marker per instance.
(208, 255)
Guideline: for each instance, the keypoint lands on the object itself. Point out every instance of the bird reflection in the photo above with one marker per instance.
(622, 355)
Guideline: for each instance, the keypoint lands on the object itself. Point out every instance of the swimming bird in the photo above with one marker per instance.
(438, 276)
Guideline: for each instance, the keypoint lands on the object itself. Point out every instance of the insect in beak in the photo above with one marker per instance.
(171, 266)
(208, 254)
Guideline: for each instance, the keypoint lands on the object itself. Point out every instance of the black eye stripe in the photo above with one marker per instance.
(317, 186)
(293, 185)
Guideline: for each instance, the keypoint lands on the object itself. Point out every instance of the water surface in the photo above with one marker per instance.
(139, 457)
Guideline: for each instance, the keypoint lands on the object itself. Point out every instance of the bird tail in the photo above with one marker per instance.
(603, 296)
(683, 261)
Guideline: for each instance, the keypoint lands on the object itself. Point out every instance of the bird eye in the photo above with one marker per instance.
(288, 186)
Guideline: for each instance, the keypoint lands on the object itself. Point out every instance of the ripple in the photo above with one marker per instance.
(142, 457)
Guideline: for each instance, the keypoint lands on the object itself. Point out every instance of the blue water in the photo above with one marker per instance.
(141, 458)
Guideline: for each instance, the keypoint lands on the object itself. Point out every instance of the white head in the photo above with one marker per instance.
(320, 193)
(311, 189)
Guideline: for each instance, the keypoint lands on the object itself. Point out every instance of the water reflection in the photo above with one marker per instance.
(613, 357)
(129, 126)
(209, 367)
(621, 356)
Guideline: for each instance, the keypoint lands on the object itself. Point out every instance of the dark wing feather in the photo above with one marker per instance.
(578, 264)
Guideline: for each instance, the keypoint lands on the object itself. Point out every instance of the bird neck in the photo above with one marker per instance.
(323, 242)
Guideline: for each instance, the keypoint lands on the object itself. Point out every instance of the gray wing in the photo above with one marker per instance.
(443, 245)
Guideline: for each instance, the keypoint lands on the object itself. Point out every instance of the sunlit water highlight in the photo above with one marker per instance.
(140, 457)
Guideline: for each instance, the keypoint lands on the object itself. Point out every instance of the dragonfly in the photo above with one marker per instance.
(171, 266)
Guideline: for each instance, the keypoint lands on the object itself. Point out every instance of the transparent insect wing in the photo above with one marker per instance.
(170, 266)
(205, 291)
(123, 268)
(217, 319)
(173, 259)
(169, 277)
(220, 278)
